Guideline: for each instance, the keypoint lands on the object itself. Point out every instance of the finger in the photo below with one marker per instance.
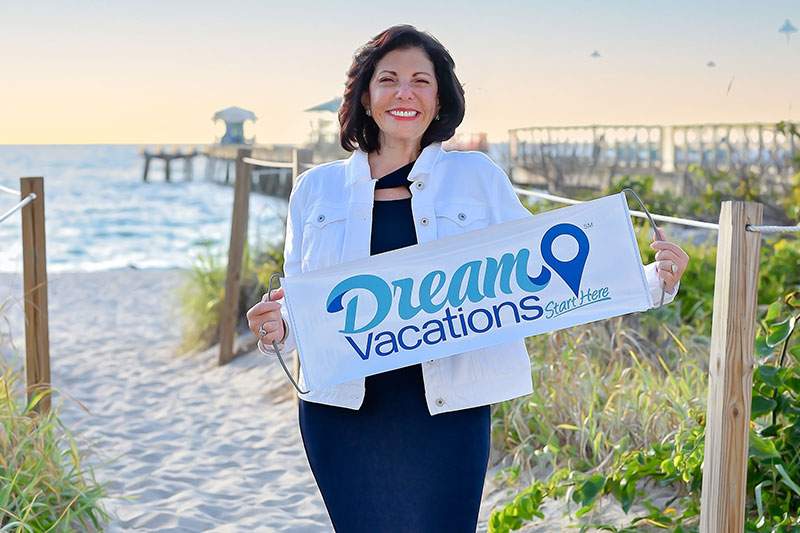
(266, 307)
(274, 333)
(660, 235)
(663, 255)
(667, 265)
(269, 326)
(277, 294)
(260, 308)
(666, 245)
(270, 316)
(668, 277)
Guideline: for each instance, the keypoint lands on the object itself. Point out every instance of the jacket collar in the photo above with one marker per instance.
(357, 165)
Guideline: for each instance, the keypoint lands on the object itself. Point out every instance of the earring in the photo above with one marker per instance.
(437, 117)
(368, 112)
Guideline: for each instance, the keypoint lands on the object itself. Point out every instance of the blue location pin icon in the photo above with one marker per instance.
(570, 271)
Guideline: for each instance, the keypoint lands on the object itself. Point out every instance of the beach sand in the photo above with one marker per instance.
(182, 444)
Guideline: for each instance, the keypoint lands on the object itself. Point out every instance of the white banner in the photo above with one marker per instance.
(554, 270)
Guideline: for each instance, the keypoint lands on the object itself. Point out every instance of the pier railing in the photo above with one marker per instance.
(590, 156)
(273, 169)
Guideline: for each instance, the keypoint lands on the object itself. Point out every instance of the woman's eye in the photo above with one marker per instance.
(385, 79)
(423, 81)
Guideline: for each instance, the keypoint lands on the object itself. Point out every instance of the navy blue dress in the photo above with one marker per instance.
(390, 466)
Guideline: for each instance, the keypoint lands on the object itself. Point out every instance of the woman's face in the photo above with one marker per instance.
(403, 95)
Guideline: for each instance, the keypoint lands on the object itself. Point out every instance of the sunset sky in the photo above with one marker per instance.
(155, 72)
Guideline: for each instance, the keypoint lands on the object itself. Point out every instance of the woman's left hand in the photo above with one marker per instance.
(667, 255)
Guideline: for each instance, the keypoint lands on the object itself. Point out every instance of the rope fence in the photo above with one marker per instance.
(731, 357)
(772, 229)
(25, 201)
(664, 218)
(34, 283)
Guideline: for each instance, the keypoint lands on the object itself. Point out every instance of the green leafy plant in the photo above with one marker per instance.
(202, 293)
(43, 484)
(593, 448)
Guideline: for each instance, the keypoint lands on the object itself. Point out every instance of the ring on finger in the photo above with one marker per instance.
(674, 268)
(261, 330)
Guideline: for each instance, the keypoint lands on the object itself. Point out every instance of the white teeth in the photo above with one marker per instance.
(403, 113)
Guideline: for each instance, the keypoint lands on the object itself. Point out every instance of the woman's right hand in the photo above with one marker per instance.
(267, 312)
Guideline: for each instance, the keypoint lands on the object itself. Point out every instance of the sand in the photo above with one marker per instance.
(182, 444)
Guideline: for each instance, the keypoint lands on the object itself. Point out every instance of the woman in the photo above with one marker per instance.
(407, 449)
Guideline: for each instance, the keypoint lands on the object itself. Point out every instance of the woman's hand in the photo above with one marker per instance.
(667, 255)
(268, 313)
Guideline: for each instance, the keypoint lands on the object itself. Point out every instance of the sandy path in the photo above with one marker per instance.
(183, 444)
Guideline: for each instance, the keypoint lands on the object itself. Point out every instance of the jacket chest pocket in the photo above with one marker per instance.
(323, 236)
(457, 217)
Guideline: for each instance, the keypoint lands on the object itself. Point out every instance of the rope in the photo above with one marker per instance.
(638, 214)
(772, 229)
(269, 164)
(273, 164)
(28, 199)
(9, 191)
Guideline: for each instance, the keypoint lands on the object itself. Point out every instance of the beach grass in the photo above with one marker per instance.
(201, 295)
(598, 389)
(44, 485)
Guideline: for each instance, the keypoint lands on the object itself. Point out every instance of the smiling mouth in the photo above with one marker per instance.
(403, 114)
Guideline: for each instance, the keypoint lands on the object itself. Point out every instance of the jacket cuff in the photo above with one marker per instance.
(654, 286)
(289, 342)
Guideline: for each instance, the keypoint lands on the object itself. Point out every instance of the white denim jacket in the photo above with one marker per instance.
(330, 222)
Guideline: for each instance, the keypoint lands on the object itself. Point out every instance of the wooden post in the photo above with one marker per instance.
(34, 280)
(730, 379)
(300, 158)
(167, 163)
(188, 164)
(146, 166)
(230, 307)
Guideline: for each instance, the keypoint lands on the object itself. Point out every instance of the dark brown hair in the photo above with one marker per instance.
(359, 130)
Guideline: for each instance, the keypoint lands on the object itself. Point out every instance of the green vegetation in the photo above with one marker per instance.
(202, 294)
(635, 415)
(43, 484)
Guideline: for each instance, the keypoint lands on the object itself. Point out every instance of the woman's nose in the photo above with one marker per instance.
(404, 90)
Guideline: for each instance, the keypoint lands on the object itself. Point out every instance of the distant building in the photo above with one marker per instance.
(324, 122)
(234, 118)
(323, 139)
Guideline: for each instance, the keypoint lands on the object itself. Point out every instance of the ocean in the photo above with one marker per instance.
(100, 215)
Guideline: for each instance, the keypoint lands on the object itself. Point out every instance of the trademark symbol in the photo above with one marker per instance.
(587, 225)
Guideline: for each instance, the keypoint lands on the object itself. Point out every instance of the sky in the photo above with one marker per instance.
(156, 71)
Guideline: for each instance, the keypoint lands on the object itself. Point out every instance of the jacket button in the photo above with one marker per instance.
(462, 216)
(321, 218)
(419, 185)
(440, 401)
(423, 221)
